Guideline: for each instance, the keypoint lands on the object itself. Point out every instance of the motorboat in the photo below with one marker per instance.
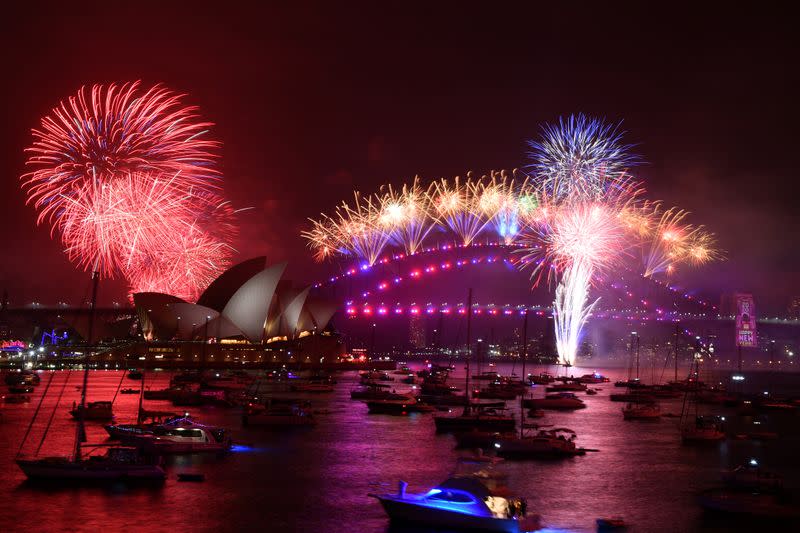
(544, 444)
(477, 439)
(630, 383)
(101, 411)
(488, 417)
(641, 411)
(25, 377)
(398, 404)
(278, 414)
(20, 389)
(593, 378)
(566, 387)
(375, 375)
(631, 397)
(404, 370)
(458, 503)
(542, 379)
(189, 438)
(371, 391)
(312, 387)
(560, 401)
(591, 392)
(748, 502)
(129, 391)
(751, 476)
(490, 376)
(122, 431)
(118, 463)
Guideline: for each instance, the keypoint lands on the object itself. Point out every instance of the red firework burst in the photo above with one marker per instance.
(128, 179)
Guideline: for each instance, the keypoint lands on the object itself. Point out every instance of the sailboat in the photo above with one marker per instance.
(486, 417)
(697, 429)
(118, 462)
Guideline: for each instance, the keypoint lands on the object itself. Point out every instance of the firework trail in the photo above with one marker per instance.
(405, 214)
(117, 170)
(457, 207)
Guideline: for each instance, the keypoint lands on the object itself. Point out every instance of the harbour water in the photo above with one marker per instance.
(317, 479)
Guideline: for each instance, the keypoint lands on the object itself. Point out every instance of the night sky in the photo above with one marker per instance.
(311, 102)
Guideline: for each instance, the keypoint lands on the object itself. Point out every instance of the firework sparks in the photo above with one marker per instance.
(118, 170)
(580, 157)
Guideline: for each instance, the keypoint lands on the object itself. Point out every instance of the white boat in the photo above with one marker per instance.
(458, 503)
(561, 400)
(641, 411)
(559, 442)
(191, 438)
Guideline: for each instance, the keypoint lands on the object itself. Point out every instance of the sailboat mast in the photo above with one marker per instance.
(80, 430)
(524, 352)
(469, 341)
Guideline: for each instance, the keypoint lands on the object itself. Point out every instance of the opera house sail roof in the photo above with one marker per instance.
(249, 301)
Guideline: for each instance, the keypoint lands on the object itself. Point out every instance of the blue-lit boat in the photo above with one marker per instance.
(458, 503)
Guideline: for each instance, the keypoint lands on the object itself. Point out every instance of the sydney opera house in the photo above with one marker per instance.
(249, 314)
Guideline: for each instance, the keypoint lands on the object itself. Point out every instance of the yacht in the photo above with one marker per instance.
(543, 444)
(278, 414)
(118, 462)
(705, 429)
(566, 387)
(488, 417)
(593, 378)
(398, 404)
(641, 411)
(559, 401)
(371, 391)
(93, 411)
(458, 503)
(191, 438)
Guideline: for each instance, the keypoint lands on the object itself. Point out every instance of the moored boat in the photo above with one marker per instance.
(641, 411)
(118, 463)
(278, 414)
(102, 411)
(559, 401)
(543, 444)
(488, 417)
(398, 404)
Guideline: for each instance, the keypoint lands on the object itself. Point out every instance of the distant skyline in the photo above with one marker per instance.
(311, 103)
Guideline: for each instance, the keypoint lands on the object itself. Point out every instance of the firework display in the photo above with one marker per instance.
(575, 213)
(128, 180)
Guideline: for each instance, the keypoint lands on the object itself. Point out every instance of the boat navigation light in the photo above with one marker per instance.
(497, 445)
(753, 462)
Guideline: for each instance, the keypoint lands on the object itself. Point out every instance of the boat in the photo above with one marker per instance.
(608, 524)
(566, 387)
(371, 391)
(16, 398)
(136, 375)
(487, 376)
(129, 391)
(101, 410)
(748, 502)
(191, 437)
(311, 387)
(121, 431)
(477, 439)
(398, 404)
(559, 401)
(641, 411)
(375, 375)
(278, 414)
(591, 392)
(488, 417)
(631, 397)
(705, 429)
(543, 444)
(118, 462)
(631, 383)
(751, 476)
(458, 503)
(20, 389)
(24, 377)
(593, 378)
(542, 379)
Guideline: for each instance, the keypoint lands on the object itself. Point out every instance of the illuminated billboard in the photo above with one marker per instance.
(745, 321)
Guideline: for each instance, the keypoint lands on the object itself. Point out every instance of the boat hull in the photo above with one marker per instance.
(87, 471)
(408, 511)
